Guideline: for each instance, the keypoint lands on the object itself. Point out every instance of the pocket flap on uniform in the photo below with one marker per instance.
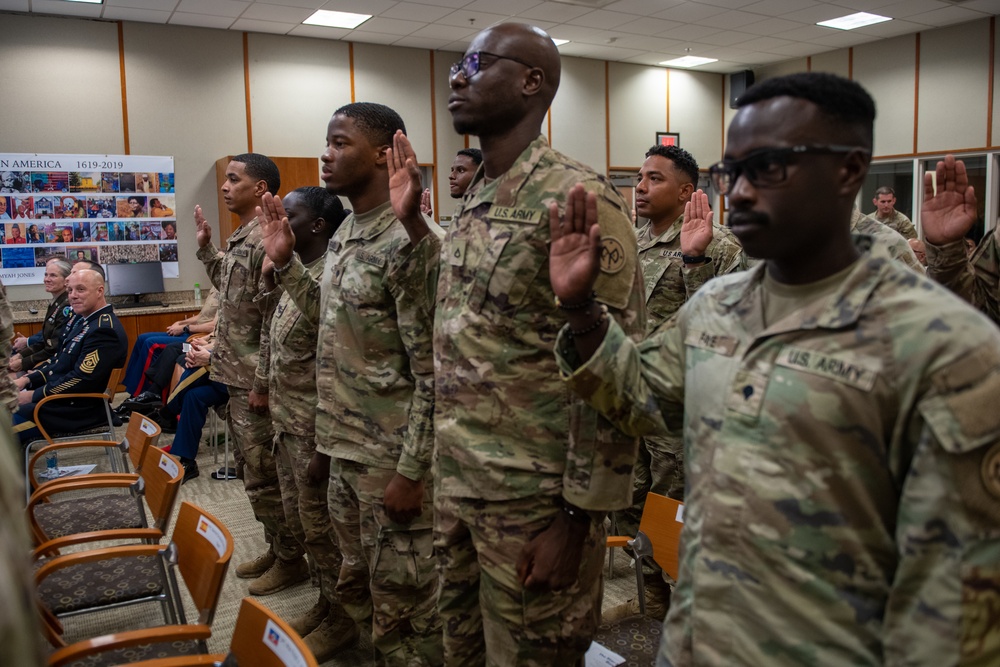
(967, 418)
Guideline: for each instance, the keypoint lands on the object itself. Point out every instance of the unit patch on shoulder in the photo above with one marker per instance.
(991, 471)
(89, 363)
(612, 255)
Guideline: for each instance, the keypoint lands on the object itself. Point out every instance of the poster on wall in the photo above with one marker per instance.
(111, 209)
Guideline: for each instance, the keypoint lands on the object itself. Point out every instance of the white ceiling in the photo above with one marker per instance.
(742, 34)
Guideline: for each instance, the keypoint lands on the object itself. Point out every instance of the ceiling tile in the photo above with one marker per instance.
(231, 8)
(130, 14)
(601, 19)
(443, 33)
(319, 32)
(418, 43)
(771, 26)
(642, 7)
(735, 19)
(477, 20)
(688, 12)
(14, 5)
(901, 10)
(804, 33)
(254, 25)
(512, 6)
(372, 37)
(647, 26)
(66, 8)
(306, 4)
(373, 7)
(946, 16)
(729, 4)
(726, 38)
(162, 5)
(200, 20)
(987, 6)
(390, 26)
(688, 32)
(778, 7)
(260, 11)
(554, 11)
(409, 11)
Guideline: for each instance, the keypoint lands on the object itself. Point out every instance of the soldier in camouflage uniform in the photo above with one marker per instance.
(843, 478)
(675, 264)
(886, 213)
(523, 474)
(8, 393)
(241, 362)
(977, 278)
(375, 386)
(314, 214)
(883, 241)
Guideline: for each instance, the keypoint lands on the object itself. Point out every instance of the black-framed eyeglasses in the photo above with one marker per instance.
(471, 64)
(767, 167)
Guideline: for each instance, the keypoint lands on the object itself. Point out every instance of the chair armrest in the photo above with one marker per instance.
(66, 444)
(57, 397)
(157, 635)
(100, 536)
(129, 550)
(52, 629)
(618, 541)
(111, 480)
(60, 483)
(212, 660)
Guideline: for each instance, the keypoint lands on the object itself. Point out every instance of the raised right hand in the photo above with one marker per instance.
(204, 229)
(948, 215)
(276, 234)
(575, 253)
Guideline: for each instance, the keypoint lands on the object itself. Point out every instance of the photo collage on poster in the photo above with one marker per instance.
(109, 217)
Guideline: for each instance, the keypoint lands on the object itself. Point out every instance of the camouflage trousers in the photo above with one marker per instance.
(306, 510)
(488, 617)
(659, 468)
(388, 572)
(253, 438)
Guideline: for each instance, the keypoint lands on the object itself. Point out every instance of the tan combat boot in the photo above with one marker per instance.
(310, 620)
(281, 575)
(256, 567)
(338, 632)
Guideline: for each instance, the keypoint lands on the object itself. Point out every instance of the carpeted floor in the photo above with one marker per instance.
(227, 501)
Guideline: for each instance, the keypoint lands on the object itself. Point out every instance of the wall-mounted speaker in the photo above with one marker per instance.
(738, 84)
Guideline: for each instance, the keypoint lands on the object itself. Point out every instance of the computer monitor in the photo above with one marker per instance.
(134, 280)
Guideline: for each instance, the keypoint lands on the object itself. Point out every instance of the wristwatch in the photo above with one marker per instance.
(187, 329)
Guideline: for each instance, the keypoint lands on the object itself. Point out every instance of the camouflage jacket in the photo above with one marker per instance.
(47, 342)
(884, 241)
(374, 364)
(899, 223)
(242, 348)
(843, 478)
(293, 365)
(8, 392)
(505, 426)
(667, 284)
(975, 279)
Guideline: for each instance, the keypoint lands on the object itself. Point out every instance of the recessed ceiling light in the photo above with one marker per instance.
(689, 61)
(92, 2)
(560, 42)
(331, 19)
(852, 21)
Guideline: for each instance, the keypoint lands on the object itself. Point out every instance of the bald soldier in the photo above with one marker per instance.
(94, 344)
(523, 475)
(843, 478)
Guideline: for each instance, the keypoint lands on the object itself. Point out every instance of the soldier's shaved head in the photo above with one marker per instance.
(534, 46)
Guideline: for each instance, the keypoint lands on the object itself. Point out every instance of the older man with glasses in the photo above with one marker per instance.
(843, 477)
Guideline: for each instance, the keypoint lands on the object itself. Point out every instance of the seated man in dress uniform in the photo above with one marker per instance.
(94, 345)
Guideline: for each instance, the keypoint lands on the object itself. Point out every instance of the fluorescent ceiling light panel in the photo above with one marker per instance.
(91, 2)
(331, 19)
(688, 61)
(560, 42)
(852, 21)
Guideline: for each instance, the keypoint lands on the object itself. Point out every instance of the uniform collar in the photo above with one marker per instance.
(842, 309)
(370, 224)
(242, 232)
(504, 190)
(668, 235)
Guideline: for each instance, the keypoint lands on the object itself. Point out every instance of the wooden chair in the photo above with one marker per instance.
(200, 550)
(158, 484)
(102, 432)
(141, 433)
(261, 639)
(658, 538)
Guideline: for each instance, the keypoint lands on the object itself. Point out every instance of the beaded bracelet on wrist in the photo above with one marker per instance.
(594, 326)
(561, 305)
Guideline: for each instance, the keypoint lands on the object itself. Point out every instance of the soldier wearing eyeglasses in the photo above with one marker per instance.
(843, 478)
(524, 474)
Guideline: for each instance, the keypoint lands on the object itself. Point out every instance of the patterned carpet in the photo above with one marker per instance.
(227, 501)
